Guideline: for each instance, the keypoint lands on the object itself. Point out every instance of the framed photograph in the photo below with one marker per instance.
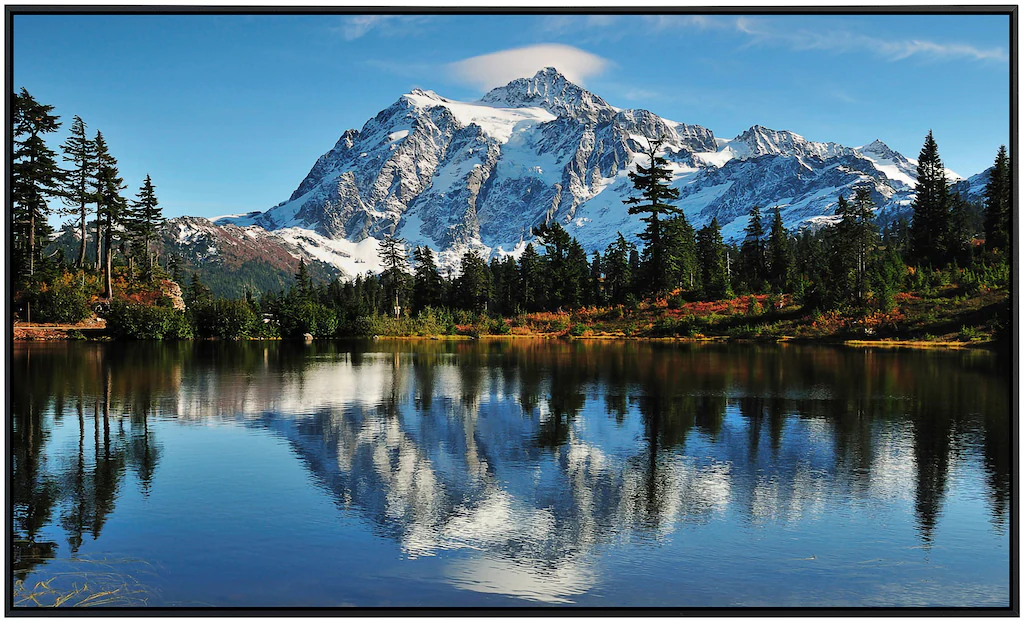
(502, 310)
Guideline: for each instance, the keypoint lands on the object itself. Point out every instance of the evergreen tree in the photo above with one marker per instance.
(780, 259)
(841, 276)
(682, 252)
(81, 153)
(634, 271)
(930, 224)
(711, 255)
(473, 287)
(504, 283)
(101, 153)
(196, 294)
(998, 204)
(368, 291)
(576, 276)
(617, 270)
(752, 253)
(595, 296)
(428, 286)
(653, 184)
(392, 256)
(886, 276)
(850, 241)
(35, 178)
(508, 303)
(303, 283)
(896, 234)
(958, 239)
(811, 267)
(531, 280)
(174, 266)
(861, 234)
(111, 206)
(145, 219)
(556, 243)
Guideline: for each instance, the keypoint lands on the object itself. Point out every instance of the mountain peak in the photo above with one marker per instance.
(760, 140)
(877, 147)
(551, 90)
(760, 130)
(418, 92)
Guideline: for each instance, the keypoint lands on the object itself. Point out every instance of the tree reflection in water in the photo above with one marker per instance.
(533, 452)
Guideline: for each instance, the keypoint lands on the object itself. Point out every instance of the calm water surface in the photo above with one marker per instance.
(512, 473)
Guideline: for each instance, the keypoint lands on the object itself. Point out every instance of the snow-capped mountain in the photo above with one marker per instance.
(455, 175)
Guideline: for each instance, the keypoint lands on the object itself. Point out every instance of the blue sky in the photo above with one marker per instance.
(228, 113)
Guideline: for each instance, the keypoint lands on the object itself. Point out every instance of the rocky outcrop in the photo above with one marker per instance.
(172, 291)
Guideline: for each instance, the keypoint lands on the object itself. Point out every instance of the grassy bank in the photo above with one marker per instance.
(947, 316)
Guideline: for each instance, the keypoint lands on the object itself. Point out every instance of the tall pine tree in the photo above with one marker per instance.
(428, 286)
(504, 285)
(532, 289)
(958, 239)
(682, 250)
(998, 202)
(779, 252)
(618, 273)
(576, 275)
(711, 254)
(930, 224)
(596, 294)
(853, 238)
(111, 207)
(473, 287)
(752, 253)
(655, 193)
(392, 256)
(145, 220)
(35, 178)
(556, 242)
(81, 153)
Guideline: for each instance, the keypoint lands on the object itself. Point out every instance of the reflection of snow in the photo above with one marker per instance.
(443, 459)
(496, 520)
(553, 585)
(791, 497)
(893, 470)
(684, 491)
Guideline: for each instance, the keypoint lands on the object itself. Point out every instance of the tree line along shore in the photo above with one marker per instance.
(940, 276)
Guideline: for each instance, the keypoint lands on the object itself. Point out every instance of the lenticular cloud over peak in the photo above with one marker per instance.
(499, 68)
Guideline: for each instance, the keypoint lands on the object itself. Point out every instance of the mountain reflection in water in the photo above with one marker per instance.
(520, 461)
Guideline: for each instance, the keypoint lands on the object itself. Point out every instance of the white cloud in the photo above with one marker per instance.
(499, 68)
(562, 24)
(356, 26)
(761, 32)
(778, 32)
(704, 22)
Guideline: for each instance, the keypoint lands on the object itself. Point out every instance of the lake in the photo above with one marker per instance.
(509, 473)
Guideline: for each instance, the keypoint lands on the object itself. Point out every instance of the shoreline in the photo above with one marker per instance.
(92, 332)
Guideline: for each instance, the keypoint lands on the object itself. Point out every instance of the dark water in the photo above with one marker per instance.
(523, 473)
